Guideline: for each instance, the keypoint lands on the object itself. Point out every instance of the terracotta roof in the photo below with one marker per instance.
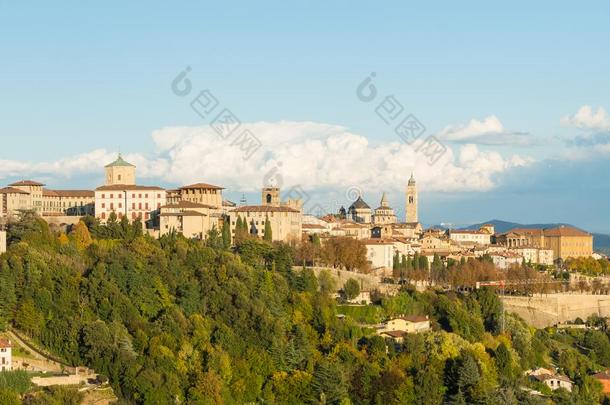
(127, 187)
(202, 185)
(264, 208)
(565, 231)
(394, 333)
(12, 190)
(373, 241)
(187, 204)
(68, 193)
(313, 226)
(527, 231)
(5, 343)
(26, 183)
(183, 214)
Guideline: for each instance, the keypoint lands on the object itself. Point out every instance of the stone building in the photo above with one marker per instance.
(565, 241)
(191, 219)
(31, 195)
(285, 218)
(384, 214)
(360, 211)
(411, 201)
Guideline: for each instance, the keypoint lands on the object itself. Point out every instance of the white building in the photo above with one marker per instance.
(380, 253)
(481, 237)
(6, 358)
(535, 255)
(122, 196)
(2, 242)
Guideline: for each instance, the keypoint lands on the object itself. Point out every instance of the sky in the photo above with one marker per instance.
(505, 105)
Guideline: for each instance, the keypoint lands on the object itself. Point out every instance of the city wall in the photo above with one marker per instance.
(548, 310)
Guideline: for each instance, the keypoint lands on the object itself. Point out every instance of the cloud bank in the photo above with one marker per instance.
(314, 156)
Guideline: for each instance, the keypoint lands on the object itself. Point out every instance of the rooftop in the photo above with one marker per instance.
(187, 204)
(127, 187)
(201, 185)
(26, 183)
(119, 162)
(12, 190)
(5, 343)
(264, 208)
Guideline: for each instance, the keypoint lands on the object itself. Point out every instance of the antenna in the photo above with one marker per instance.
(243, 200)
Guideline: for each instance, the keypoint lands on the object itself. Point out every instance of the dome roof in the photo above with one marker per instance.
(359, 203)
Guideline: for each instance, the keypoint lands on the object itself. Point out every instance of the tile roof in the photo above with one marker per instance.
(183, 214)
(127, 187)
(5, 343)
(264, 208)
(26, 183)
(12, 190)
(202, 185)
(565, 231)
(187, 204)
(68, 193)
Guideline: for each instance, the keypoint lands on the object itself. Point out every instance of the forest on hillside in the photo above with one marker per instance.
(191, 322)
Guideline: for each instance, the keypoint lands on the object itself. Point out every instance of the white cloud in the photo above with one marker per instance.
(488, 131)
(588, 118)
(312, 155)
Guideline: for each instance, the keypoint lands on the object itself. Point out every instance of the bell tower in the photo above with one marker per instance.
(271, 196)
(411, 204)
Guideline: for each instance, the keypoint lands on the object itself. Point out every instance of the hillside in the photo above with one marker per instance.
(184, 321)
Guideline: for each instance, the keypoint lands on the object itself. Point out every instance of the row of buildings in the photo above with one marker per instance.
(194, 209)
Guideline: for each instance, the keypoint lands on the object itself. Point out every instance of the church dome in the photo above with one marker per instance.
(359, 204)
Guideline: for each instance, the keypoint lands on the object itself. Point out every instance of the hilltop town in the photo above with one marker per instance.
(194, 210)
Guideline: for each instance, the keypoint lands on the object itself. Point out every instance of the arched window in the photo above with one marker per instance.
(268, 198)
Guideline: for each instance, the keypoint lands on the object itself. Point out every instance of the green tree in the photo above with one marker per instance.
(351, 288)
(268, 237)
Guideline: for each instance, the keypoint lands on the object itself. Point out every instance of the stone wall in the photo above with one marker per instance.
(548, 310)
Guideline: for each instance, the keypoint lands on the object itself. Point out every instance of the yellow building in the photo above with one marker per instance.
(566, 242)
(193, 220)
(286, 222)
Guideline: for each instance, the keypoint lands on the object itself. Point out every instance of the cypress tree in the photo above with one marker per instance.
(268, 232)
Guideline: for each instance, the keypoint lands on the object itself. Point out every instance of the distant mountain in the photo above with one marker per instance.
(600, 241)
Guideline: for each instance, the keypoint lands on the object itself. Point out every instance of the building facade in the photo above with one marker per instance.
(121, 196)
(6, 356)
(384, 214)
(2, 242)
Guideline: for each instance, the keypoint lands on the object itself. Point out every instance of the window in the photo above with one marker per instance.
(158, 195)
(111, 195)
(139, 206)
(103, 215)
(103, 195)
(120, 205)
(119, 177)
(103, 205)
(139, 195)
(133, 206)
(145, 195)
(133, 196)
(146, 206)
(111, 206)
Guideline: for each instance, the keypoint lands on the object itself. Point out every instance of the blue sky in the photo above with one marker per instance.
(502, 86)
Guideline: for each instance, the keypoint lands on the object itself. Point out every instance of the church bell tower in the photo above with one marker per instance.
(411, 205)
